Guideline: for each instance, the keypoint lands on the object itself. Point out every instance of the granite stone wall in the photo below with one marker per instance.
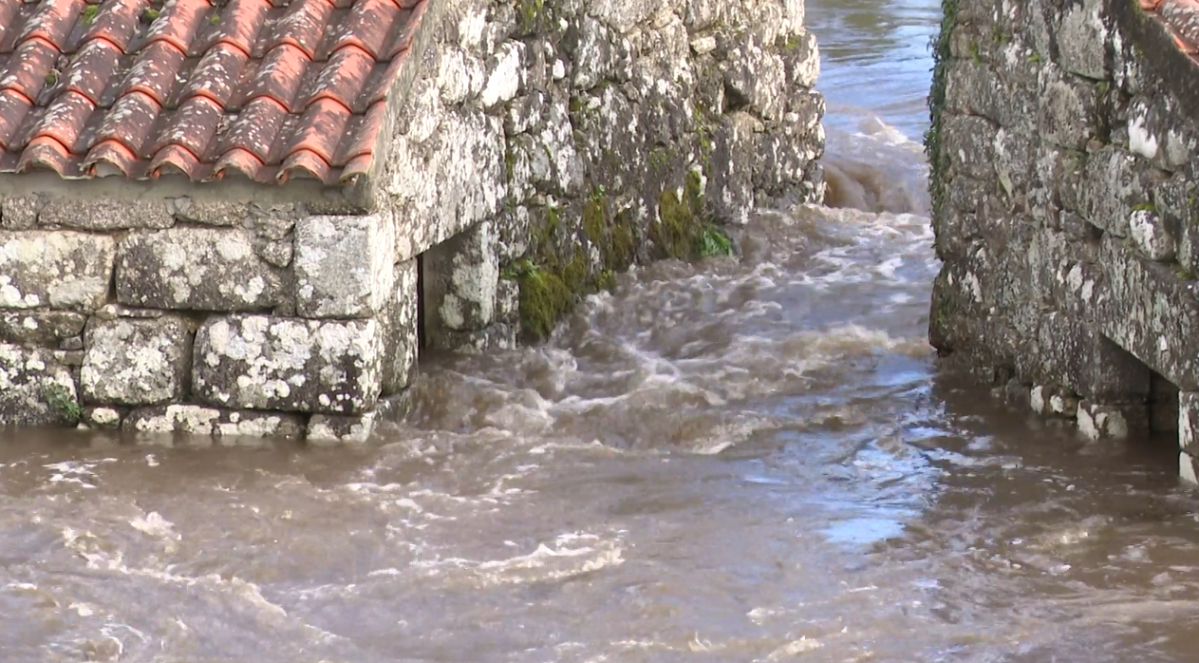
(1065, 212)
(539, 147)
(560, 141)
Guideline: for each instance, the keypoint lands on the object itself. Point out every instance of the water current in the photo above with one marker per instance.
(739, 460)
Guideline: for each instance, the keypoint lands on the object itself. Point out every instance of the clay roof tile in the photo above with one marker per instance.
(269, 90)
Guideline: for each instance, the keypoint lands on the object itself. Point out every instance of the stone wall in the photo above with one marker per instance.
(538, 147)
(1065, 212)
(572, 138)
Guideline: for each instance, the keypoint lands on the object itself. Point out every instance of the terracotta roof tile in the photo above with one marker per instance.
(1181, 19)
(270, 90)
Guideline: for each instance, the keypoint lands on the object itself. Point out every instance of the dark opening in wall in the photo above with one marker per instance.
(1163, 405)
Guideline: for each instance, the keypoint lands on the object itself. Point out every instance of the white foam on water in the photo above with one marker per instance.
(792, 650)
(153, 524)
(567, 556)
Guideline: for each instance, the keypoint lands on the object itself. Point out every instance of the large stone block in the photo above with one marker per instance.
(325, 430)
(36, 389)
(136, 362)
(1082, 39)
(401, 332)
(1150, 312)
(106, 213)
(735, 147)
(801, 60)
(755, 77)
(203, 269)
(344, 265)
(461, 276)
(270, 363)
(1068, 113)
(1188, 422)
(969, 143)
(46, 328)
(208, 421)
(58, 269)
(1112, 187)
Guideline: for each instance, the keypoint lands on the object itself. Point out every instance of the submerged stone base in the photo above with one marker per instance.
(535, 149)
(1065, 213)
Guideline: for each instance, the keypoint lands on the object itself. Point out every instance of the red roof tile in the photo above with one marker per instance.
(267, 89)
(1181, 18)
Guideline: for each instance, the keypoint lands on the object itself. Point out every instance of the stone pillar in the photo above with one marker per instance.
(1115, 387)
(1188, 436)
(464, 297)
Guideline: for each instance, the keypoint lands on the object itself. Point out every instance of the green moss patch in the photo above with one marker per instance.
(938, 163)
(682, 230)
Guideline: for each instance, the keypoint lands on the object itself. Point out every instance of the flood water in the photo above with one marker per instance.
(735, 461)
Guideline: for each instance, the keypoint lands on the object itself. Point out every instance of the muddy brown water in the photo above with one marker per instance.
(751, 460)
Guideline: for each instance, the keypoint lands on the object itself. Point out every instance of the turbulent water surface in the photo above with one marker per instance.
(750, 460)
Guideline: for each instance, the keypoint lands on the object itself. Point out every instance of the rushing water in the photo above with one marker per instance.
(750, 460)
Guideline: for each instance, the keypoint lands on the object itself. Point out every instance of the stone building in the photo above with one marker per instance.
(1065, 188)
(244, 217)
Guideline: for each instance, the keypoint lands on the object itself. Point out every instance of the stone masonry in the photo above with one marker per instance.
(527, 150)
(1065, 211)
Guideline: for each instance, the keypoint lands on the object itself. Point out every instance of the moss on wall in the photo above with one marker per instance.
(558, 272)
(683, 230)
(937, 161)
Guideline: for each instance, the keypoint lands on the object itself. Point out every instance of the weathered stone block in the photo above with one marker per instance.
(1188, 422)
(1108, 373)
(734, 147)
(401, 333)
(106, 213)
(1188, 469)
(203, 269)
(344, 265)
(207, 421)
(1082, 39)
(969, 142)
(20, 212)
(801, 60)
(1149, 234)
(325, 430)
(35, 389)
(450, 181)
(1068, 113)
(136, 362)
(102, 417)
(1111, 188)
(187, 419)
(1098, 421)
(1150, 312)
(59, 269)
(461, 276)
(268, 363)
(38, 327)
(755, 77)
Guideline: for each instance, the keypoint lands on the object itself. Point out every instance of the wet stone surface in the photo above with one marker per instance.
(204, 269)
(60, 269)
(136, 362)
(269, 363)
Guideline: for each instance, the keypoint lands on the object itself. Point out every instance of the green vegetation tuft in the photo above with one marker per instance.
(89, 14)
(529, 13)
(683, 230)
(60, 399)
(713, 242)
